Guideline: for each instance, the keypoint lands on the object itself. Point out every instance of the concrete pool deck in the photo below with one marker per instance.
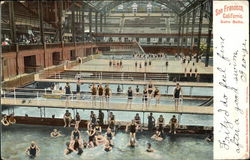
(56, 103)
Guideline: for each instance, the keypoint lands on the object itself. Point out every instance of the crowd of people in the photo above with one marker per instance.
(8, 120)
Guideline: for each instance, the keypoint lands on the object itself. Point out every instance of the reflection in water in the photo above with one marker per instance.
(17, 138)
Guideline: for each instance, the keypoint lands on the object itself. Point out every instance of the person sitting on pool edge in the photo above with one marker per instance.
(55, 133)
(12, 119)
(33, 150)
(173, 124)
(149, 148)
(67, 119)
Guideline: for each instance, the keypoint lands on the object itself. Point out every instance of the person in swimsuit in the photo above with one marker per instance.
(5, 121)
(138, 122)
(55, 133)
(130, 97)
(68, 150)
(67, 119)
(75, 134)
(177, 95)
(137, 90)
(161, 123)
(78, 88)
(12, 119)
(151, 122)
(33, 150)
(107, 91)
(107, 146)
(100, 139)
(132, 142)
(111, 121)
(150, 88)
(132, 129)
(157, 136)
(100, 93)
(98, 128)
(100, 117)
(157, 96)
(173, 124)
(149, 148)
(92, 140)
(145, 96)
(76, 146)
(78, 120)
(67, 91)
(93, 93)
(109, 135)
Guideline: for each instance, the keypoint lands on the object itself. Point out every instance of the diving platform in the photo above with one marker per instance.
(79, 104)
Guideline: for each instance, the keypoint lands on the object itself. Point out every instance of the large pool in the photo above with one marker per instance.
(17, 138)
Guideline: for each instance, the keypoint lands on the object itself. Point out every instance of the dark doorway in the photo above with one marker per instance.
(56, 58)
(29, 64)
(72, 55)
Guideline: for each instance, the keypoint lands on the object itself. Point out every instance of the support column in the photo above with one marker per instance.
(73, 24)
(187, 27)
(60, 21)
(209, 34)
(182, 32)
(101, 22)
(83, 26)
(96, 20)
(179, 36)
(199, 33)
(192, 32)
(12, 22)
(40, 11)
(90, 24)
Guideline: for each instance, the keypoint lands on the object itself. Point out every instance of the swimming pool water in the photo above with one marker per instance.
(17, 138)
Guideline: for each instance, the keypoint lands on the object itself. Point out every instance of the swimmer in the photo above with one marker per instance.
(109, 135)
(33, 150)
(132, 129)
(12, 119)
(100, 139)
(92, 139)
(149, 148)
(5, 121)
(68, 150)
(132, 143)
(157, 136)
(107, 146)
(75, 134)
(78, 120)
(76, 146)
(55, 133)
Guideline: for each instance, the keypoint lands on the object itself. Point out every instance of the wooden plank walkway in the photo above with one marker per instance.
(112, 106)
(160, 83)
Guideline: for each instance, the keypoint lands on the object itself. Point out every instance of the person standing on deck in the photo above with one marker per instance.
(173, 124)
(130, 97)
(67, 91)
(145, 97)
(177, 95)
(157, 95)
(151, 122)
(93, 94)
(78, 88)
(107, 91)
(100, 117)
(78, 120)
(100, 93)
(161, 122)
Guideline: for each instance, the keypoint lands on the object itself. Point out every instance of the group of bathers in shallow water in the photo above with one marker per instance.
(96, 138)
